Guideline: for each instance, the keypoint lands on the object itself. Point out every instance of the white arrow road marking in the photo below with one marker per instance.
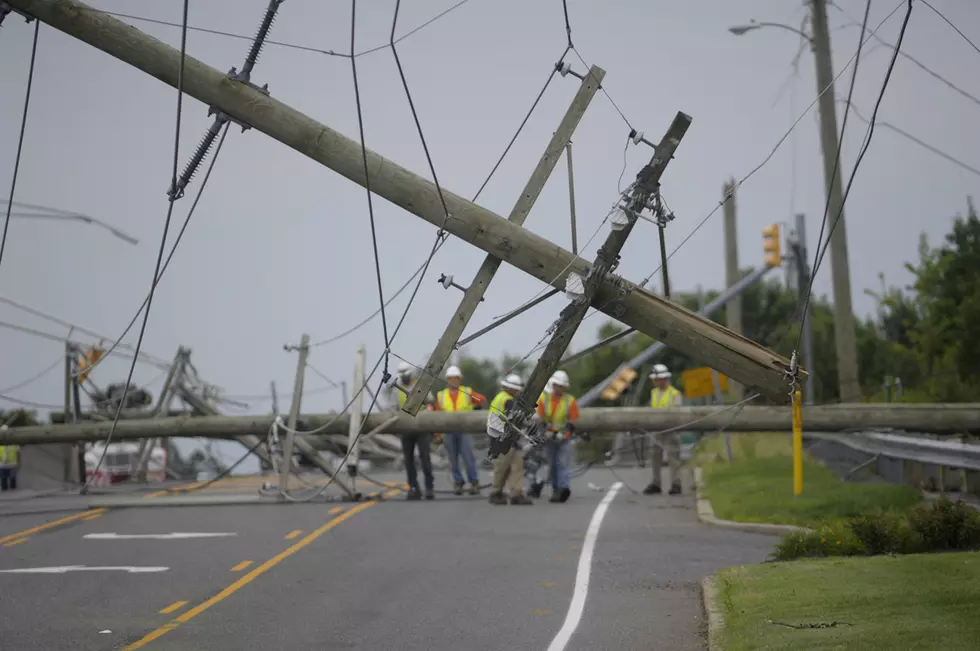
(84, 568)
(153, 536)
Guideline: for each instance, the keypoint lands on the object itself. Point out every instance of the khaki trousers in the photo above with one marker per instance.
(509, 468)
(671, 444)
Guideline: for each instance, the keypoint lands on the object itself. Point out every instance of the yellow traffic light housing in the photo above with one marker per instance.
(772, 246)
(617, 386)
(89, 359)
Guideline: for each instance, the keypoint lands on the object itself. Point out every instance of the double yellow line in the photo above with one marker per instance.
(49, 525)
(246, 578)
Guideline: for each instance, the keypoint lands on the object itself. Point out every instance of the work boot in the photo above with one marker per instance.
(520, 499)
(555, 497)
(652, 489)
(564, 494)
(430, 494)
(413, 494)
(475, 488)
(536, 488)
(675, 489)
(497, 498)
(458, 488)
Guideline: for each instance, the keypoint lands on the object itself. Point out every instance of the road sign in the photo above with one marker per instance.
(699, 382)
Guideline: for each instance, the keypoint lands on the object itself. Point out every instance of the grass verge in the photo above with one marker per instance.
(922, 601)
(758, 485)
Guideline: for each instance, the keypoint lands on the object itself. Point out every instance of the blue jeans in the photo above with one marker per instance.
(8, 478)
(457, 445)
(560, 460)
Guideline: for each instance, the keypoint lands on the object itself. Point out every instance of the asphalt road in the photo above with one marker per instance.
(456, 573)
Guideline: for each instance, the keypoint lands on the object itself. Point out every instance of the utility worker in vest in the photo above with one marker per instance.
(559, 411)
(663, 396)
(9, 463)
(457, 397)
(405, 382)
(508, 468)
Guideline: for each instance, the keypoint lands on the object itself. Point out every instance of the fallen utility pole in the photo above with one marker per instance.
(911, 417)
(757, 368)
(644, 194)
(589, 396)
(484, 276)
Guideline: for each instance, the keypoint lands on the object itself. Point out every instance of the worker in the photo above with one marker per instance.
(459, 398)
(9, 464)
(662, 396)
(508, 467)
(559, 411)
(422, 441)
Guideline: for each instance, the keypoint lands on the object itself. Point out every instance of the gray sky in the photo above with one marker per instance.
(280, 245)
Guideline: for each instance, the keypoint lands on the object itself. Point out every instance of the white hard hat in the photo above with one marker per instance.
(659, 372)
(404, 368)
(513, 381)
(560, 378)
(453, 371)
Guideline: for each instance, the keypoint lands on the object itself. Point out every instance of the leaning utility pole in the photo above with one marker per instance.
(473, 294)
(753, 365)
(733, 311)
(356, 416)
(645, 194)
(847, 366)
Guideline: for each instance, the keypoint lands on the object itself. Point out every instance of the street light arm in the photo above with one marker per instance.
(739, 30)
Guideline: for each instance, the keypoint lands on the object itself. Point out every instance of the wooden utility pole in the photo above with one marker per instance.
(911, 417)
(481, 282)
(645, 194)
(704, 341)
(733, 311)
(844, 337)
(571, 197)
(294, 407)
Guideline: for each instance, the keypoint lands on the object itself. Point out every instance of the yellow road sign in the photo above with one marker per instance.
(699, 382)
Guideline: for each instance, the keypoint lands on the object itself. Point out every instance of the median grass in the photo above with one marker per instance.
(758, 485)
(921, 601)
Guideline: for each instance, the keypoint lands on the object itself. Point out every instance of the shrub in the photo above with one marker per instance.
(828, 540)
(946, 525)
(886, 533)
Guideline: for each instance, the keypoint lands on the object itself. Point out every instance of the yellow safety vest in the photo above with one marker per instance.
(402, 396)
(497, 404)
(8, 454)
(560, 414)
(463, 402)
(663, 398)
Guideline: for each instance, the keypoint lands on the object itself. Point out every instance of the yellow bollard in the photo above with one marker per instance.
(797, 443)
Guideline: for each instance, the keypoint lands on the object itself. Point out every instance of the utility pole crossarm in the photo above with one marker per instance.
(752, 365)
(644, 194)
(481, 282)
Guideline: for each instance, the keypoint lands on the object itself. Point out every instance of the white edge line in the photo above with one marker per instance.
(583, 574)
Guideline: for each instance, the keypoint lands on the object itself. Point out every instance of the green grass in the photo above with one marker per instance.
(922, 601)
(758, 486)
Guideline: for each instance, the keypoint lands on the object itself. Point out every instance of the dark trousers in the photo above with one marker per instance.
(409, 442)
(8, 479)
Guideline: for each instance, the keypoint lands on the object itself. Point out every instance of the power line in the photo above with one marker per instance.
(37, 376)
(20, 137)
(918, 63)
(918, 141)
(864, 149)
(950, 23)
(772, 153)
(173, 196)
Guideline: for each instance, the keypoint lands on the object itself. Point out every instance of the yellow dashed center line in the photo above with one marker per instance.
(92, 516)
(16, 542)
(293, 534)
(245, 579)
(241, 566)
(335, 510)
(177, 605)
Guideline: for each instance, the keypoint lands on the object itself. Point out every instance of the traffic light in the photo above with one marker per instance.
(617, 386)
(771, 245)
(88, 360)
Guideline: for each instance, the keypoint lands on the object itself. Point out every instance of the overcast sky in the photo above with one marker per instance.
(280, 245)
